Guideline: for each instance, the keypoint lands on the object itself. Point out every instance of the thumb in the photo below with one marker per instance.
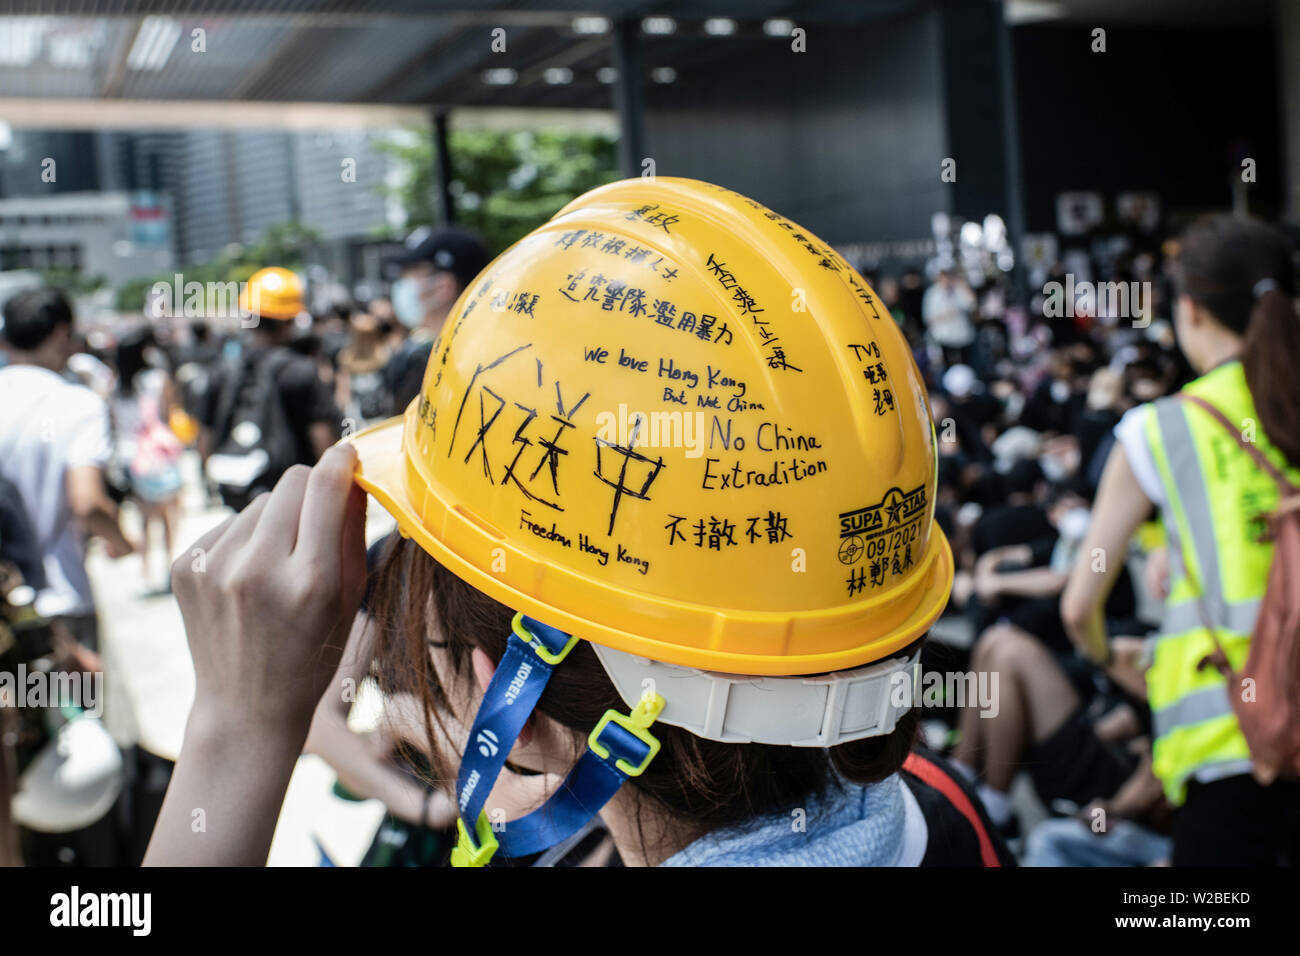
(353, 543)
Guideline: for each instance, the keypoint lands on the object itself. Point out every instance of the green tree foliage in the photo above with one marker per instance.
(72, 281)
(504, 184)
(285, 244)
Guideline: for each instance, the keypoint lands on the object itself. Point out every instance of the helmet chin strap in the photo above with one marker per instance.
(618, 748)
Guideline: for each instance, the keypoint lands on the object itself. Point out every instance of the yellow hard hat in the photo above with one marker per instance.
(674, 423)
(272, 293)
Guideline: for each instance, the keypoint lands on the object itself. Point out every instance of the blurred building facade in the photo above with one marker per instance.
(113, 236)
(218, 187)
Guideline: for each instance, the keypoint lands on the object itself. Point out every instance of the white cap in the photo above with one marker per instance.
(72, 782)
(959, 381)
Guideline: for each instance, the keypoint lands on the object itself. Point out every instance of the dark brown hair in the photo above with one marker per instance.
(704, 784)
(1241, 272)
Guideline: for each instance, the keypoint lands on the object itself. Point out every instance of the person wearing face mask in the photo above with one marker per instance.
(1046, 721)
(1021, 583)
(438, 265)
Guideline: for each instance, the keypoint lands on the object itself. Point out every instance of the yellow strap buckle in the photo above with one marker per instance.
(466, 853)
(525, 635)
(646, 712)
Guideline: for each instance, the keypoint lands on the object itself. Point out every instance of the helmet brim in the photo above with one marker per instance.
(383, 471)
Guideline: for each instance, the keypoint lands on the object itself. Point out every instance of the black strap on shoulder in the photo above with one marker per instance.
(233, 377)
(265, 364)
(960, 831)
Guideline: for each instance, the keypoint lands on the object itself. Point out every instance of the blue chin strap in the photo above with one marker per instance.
(618, 748)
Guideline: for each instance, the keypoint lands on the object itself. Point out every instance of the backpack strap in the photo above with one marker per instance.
(931, 774)
(1261, 460)
(1290, 500)
(271, 367)
(232, 383)
(265, 364)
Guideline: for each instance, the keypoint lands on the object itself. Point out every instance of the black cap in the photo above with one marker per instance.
(447, 248)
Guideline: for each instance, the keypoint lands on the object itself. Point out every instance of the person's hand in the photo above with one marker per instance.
(1156, 573)
(1128, 665)
(268, 615)
(1097, 809)
(987, 586)
(381, 744)
(963, 586)
(68, 653)
(988, 562)
(119, 546)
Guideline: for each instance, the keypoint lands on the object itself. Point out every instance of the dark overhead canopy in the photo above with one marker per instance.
(440, 52)
(399, 52)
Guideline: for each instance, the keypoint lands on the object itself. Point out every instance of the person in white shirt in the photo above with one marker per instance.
(54, 443)
(946, 310)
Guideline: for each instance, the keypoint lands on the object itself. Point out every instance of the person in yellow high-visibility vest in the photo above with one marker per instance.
(1237, 325)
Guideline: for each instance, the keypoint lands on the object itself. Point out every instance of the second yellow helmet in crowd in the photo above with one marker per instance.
(674, 423)
(272, 293)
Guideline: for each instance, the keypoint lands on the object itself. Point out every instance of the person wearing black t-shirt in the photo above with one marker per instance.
(308, 405)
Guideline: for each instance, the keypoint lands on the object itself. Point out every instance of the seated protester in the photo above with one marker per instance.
(1022, 519)
(1042, 725)
(1130, 828)
(1011, 517)
(1019, 587)
(615, 683)
(1052, 404)
(990, 348)
(1022, 583)
(946, 500)
(972, 410)
(1096, 421)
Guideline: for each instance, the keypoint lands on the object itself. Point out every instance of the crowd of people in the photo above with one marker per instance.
(1025, 407)
(1031, 411)
(1029, 408)
(89, 424)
